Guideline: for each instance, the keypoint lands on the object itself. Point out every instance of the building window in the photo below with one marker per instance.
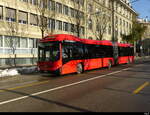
(58, 7)
(72, 12)
(58, 25)
(11, 41)
(33, 19)
(51, 24)
(24, 0)
(23, 17)
(10, 14)
(24, 43)
(1, 41)
(1, 12)
(7, 41)
(31, 42)
(75, 13)
(42, 21)
(65, 26)
(90, 24)
(34, 2)
(69, 27)
(66, 11)
(82, 15)
(51, 5)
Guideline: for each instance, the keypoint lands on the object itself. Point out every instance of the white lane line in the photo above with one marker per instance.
(57, 88)
(126, 69)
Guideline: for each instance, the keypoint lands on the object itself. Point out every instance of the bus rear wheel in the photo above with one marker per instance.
(79, 68)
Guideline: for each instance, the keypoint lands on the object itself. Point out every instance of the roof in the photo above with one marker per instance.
(62, 37)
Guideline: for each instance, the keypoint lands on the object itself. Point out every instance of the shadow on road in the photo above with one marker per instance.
(49, 101)
(127, 76)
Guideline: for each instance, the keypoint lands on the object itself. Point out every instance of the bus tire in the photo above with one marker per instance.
(79, 68)
(109, 64)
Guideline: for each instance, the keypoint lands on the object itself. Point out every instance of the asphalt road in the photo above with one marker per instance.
(123, 88)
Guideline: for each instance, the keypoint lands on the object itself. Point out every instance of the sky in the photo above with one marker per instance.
(142, 7)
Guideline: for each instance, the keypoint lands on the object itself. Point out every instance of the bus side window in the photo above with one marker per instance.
(65, 52)
(85, 51)
(77, 52)
(121, 51)
(99, 51)
(109, 51)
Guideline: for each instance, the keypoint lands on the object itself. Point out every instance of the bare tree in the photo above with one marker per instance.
(12, 29)
(79, 17)
(102, 21)
(76, 16)
(12, 41)
(46, 11)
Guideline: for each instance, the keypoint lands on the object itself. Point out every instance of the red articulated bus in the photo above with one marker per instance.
(64, 54)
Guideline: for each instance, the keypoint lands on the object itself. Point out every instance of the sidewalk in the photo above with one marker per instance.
(142, 59)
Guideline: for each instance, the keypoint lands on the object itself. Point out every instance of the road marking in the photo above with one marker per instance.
(24, 86)
(140, 88)
(126, 69)
(57, 88)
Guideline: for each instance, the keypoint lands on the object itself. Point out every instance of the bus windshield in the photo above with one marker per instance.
(49, 51)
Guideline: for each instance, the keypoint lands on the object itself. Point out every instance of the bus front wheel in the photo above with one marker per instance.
(79, 68)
